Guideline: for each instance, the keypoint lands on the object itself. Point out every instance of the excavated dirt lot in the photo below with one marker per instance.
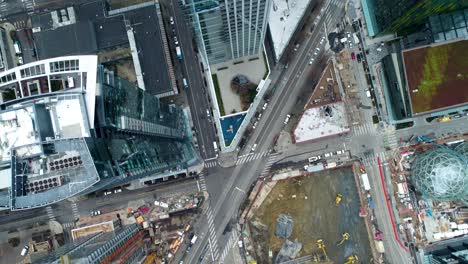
(315, 217)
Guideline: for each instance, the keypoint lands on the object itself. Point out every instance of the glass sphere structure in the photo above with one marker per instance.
(441, 175)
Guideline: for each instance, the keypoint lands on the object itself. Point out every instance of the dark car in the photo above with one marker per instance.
(359, 57)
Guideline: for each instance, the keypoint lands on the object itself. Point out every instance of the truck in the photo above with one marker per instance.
(355, 38)
(17, 47)
(365, 181)
(179, 53)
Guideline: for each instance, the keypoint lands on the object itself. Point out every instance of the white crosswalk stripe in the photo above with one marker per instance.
(266, 170)
(68, 225)
(50, 213)
(76, 213)
(365, 129)
(210, 164)
(392, 140)
(212, 240)
(251, 157)
(231, 242)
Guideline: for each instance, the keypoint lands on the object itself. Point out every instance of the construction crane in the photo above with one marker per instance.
(338, 199)
(345, 236)
(352, 259)
(443, 148)
(321, 245)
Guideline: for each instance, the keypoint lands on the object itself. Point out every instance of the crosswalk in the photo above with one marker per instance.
(251, 157)
(391, 139)
(230, 244)
(212, 240)
(28, 4)
(202, 182)
(50, 213)
(19, 24)
(76, 213)
(371, 159)
(364, 129)
(271, 160)
(68, 225)
(211, 163)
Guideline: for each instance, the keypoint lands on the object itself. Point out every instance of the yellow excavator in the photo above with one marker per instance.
(338, 199)
(345, 236)
(321, 245)
(353, 259)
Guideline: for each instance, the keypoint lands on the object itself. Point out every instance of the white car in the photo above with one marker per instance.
(240, 243)
(317, 49)
(172, 20)
(311, 61)
(265, 106)
(176, 41)
(107, 192)
(95, 212)
(259, 116)
(255, 125)
(118, 190)
(315, 53)
(208, 113)
(286, 121)
(254, 147)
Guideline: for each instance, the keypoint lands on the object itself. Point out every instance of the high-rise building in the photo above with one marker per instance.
(69, 127)
(228, 29)
(125, 244)
(389, 16)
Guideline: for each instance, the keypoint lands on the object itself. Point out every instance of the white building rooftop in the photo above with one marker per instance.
(17, 128)
(324, 121)
(284, 18)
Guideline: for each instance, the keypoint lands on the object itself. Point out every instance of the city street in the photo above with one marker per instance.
(196, 90)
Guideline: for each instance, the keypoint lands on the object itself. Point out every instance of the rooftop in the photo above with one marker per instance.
(283, 20)
(436, 76)
(43, 119)
(91, 31)
(324, 121)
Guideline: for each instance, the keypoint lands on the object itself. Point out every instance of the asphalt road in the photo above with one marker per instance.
(196, 91)
(225, 201)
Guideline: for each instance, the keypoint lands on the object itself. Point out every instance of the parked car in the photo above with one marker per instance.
(118, 190)
(286, 121)
(265, 106)
(255, 125)
(96, 212)
(107, 192)
(359, 57)
(353, 56)
(25, 251)
(171, 19)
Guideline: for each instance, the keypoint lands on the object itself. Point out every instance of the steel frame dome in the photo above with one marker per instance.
(441, 175)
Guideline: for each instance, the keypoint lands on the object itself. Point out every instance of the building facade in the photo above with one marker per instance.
(229, 29)
(6, 60)
(70, 127)
(400, 16)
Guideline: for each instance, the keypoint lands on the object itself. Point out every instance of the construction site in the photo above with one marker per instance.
(429, 179)
(313, 217)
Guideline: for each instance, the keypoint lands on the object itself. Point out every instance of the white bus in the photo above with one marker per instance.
(455, 142)
(185, 83)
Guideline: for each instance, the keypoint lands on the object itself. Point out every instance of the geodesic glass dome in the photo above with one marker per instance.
(441, 175)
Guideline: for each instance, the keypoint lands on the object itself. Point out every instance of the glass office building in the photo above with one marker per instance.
(229, 29)
(400, 16)
(70, 127)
